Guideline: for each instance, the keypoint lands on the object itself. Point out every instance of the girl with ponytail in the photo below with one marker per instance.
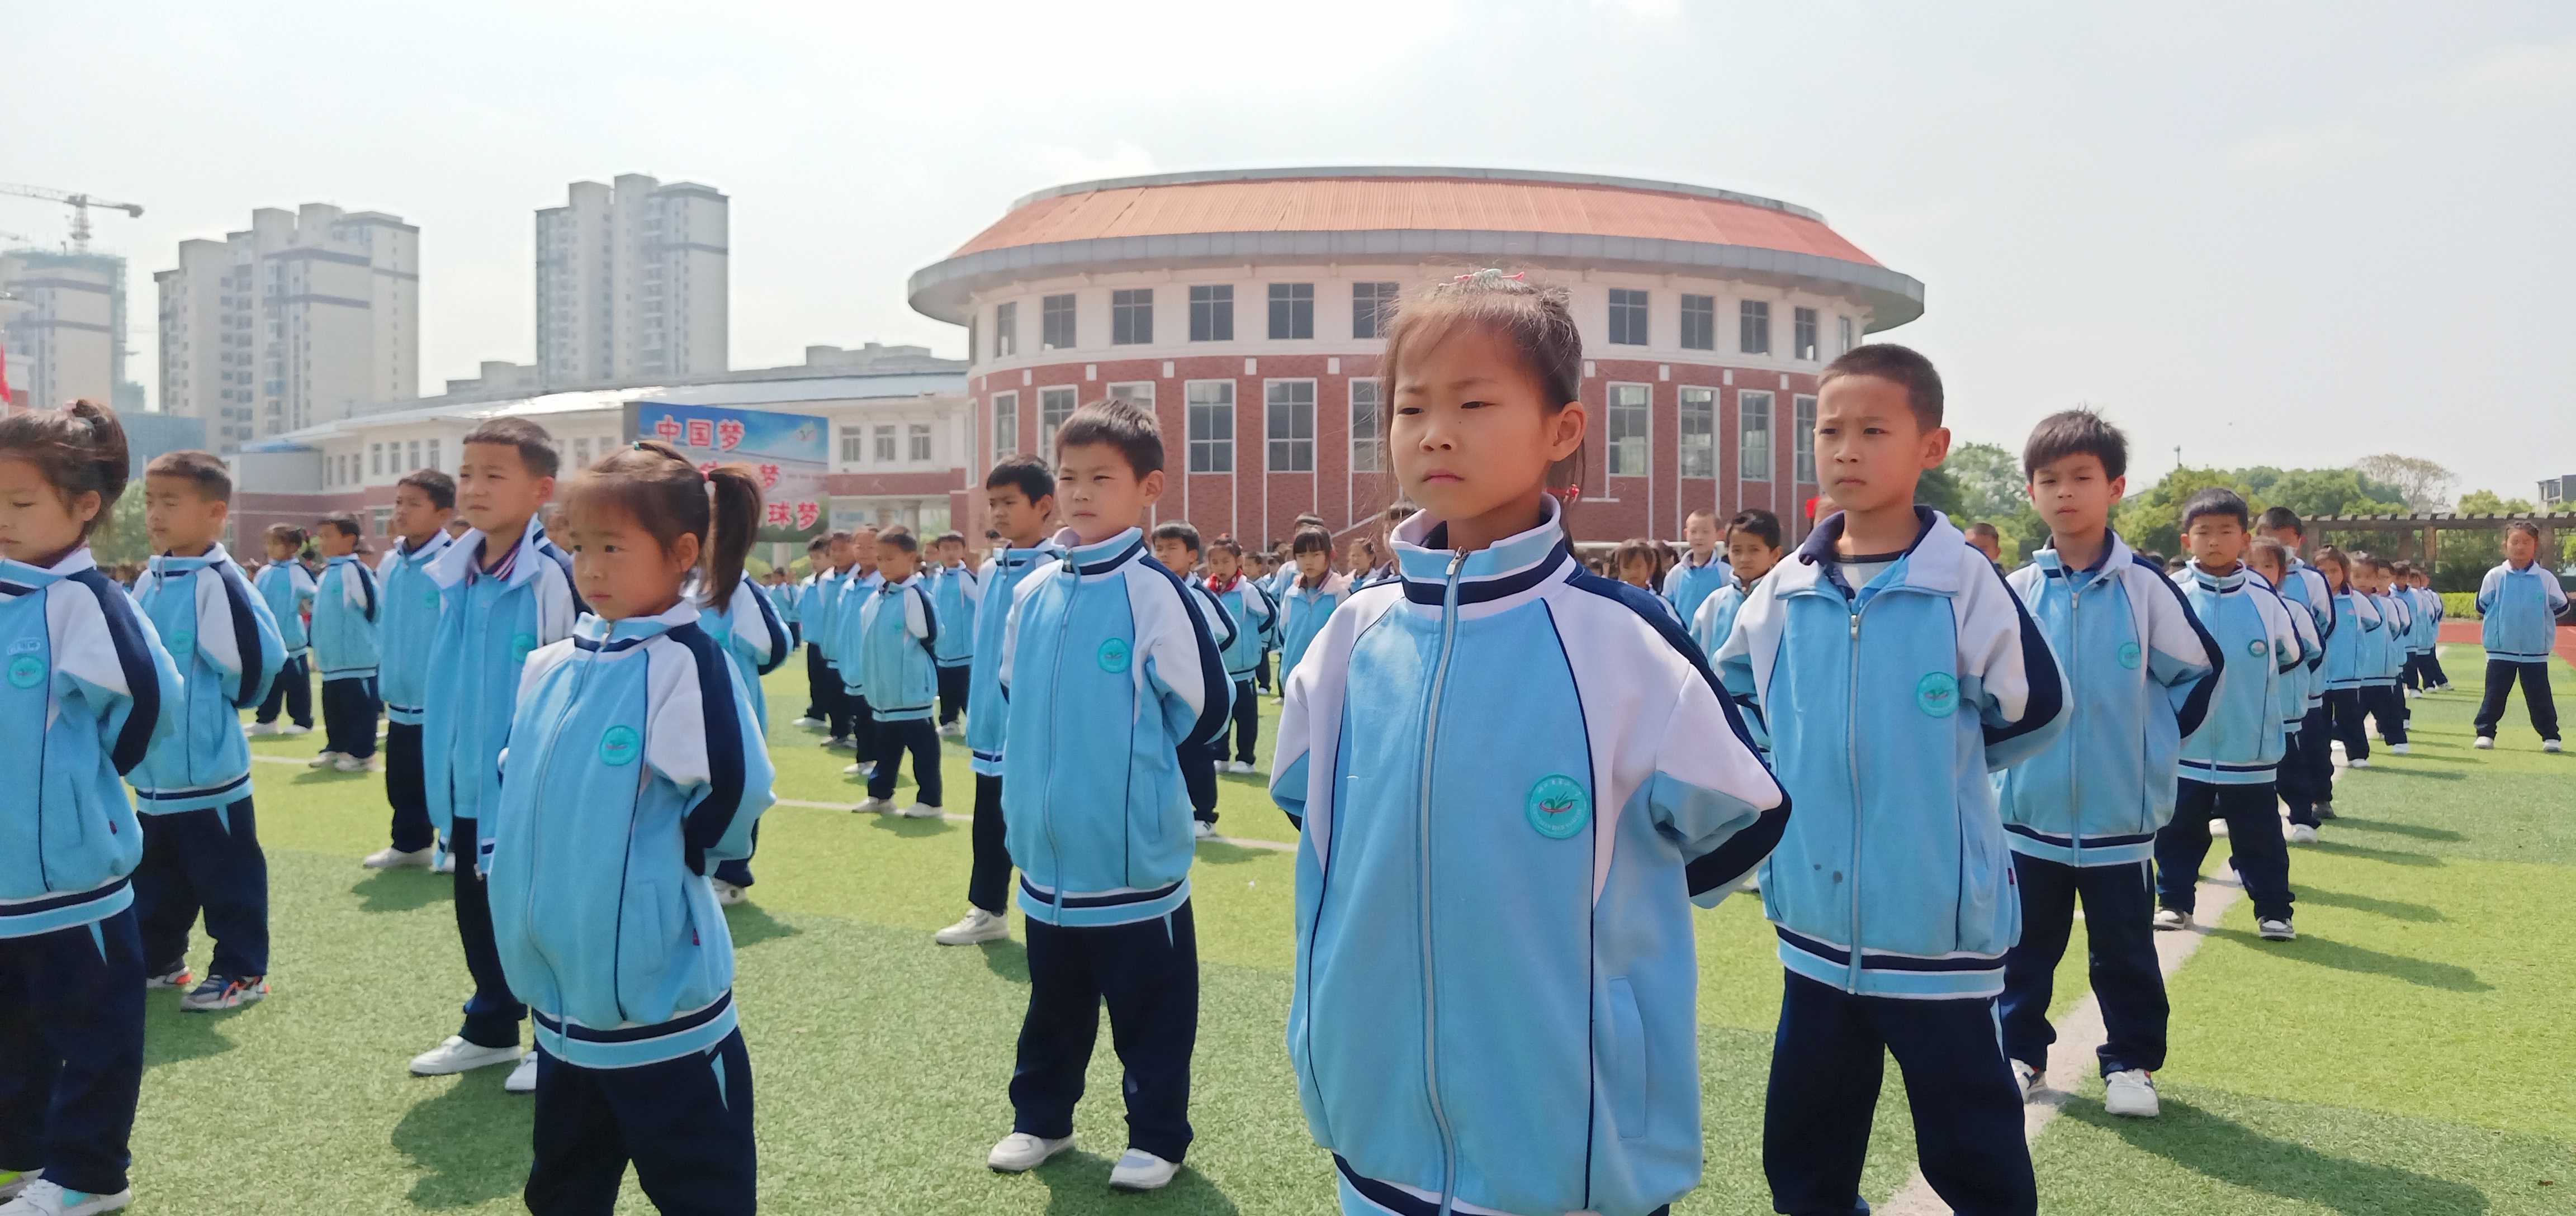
(635, 766)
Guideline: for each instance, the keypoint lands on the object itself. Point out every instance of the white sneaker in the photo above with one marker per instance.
(2363, 762)
(2217, 827)
(292, 729)
(873, 806)
(42, 1198)
(844, 743)
(2130, 1093)
(954, 730)
(523, 1079)
(456, 1055)
(978, 925)
(2485, 744)
(322, 760)
(350, 764)
(2168, 918)
(921, 810)
(2275, 930)
(2026, 1078)
(2411, 694)
(1022, 1151)
(727, 894)
(861, 769)
(1139, 1170)
(1241, 767)
(802, 722)
(2549, 745)
(11, 1184)
(2301, 833)
(391, 858)
(446, 863)
(2398, 748)
(1202, 829)
(260, 728)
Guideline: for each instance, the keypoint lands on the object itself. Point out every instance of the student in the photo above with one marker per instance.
(1752, 549)
(634, 762)
(2429, 676)
(347, 607)
(1176, 546)
(1636, 563)
(2228, 767)
(955, 592)
(2307, 759)
(1899, 761)
(2519, 605)
(2270, 560)
(1702, 570)
(424, 503)
(2386, 649)
(1312, 594)
(823, 629)
(1367, 562)
(751, 635)
(859, 580)
(288, 589)
(1380, 557)
(2356, 618)
(504, 591)
(810, 610)
(2081, 817)
(1983, 538)
(894, 631)
(1255, 618)
(89, 690)
(1547, 1063)
(1019, 498)
(1109, 671)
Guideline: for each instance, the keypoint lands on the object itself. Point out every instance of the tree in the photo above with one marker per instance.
(2312, 492)
(2152, 521)
(120, 537)
(2423, 484)
(1989, 478)
(1941, 491)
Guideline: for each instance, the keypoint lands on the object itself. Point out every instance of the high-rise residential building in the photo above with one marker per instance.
(632, 282)
(291, 321)
(65, 333)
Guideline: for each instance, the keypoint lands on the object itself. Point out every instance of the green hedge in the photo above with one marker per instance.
(2460, 605)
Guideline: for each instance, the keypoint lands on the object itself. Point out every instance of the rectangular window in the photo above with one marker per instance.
(1630, 414)
(885, 445)
(1139, 391)
(1006, 425)
(917, 442)
(1006, 330)
(1367, 299)
(1844, 343)
(1292, 310)
(433, 456)
(1365, 450)
(1753, 328)
(1699, 432)
(581, 452)
(375, 460)
(1699, 322)
(1054, 406)
(1802, 333)
(1802, 436)
(382, 518)
(1131, 317)
(415, 456)
(1291, 409)
(1212, 313)
(1055, 323)
(854, 444)
(1627, 317)
(1753, 413)
(1211, 410)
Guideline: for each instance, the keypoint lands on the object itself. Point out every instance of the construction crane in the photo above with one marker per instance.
(80, 205)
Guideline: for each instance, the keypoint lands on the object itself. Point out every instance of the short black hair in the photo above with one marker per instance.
(2217, 500)
(2282, 517)
(1226, 544)
(536, 446)
(1307, 520)
(900, 537)
(1118, 423)
(950, 535)
(440, 487)
(206, 470)
(1180, 530)
(287, 534)
(2526, 527)
(1897, 365)
(1982, 528)
(1311, 540)
(343, 522)
(2075, 432)
(1027, 474)
(1758, 522)
(818, 544)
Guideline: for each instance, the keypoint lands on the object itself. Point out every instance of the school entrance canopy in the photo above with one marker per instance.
(2424, 528)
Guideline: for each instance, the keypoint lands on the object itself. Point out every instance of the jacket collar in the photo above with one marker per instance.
(167, 564)
(1716, 557)
(610, 637)
(1931, 564)
(1015, 559)
(438, 542)
(1510, 566)
(2221, 583)
(2115, 556)
(462, 560)
(345, 559)
(19, 578)
(1101, 557)
(887, 586)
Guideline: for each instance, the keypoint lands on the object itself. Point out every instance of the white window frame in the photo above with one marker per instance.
(1272, 412)
(1269, 301)
(1050, 397)
(1220, 449)
(881, 447)
(1140, 392)
(1802, 439)
(1745, 402)
(1615, 445)
(918, 444)
(1213, 305)
(1744, 310)
(1812, 350)
(1006, 329)
(1682, 409)
(1682, 312)
(1006, 425)
(1073, 314)
(1128, 312)
(1612, 308)
(1368, 453)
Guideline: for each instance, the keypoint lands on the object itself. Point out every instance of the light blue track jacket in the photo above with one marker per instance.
(488, 625)
(224, 644)
(987, 727)
(408, 628)
(894, 634)
(1715, 616)
(2518, 612)
(1302, 613)
(751, 635)
(288, 588)
(1253, 616)
(2241, 741)
(2305, 589)
(1888, 705)
(1512, 777)
(2306, 679)
(2356, 618)
(634, 766)
(89, 690)
(955, 592)
(2386, 649)
(2139, 673)
(819, 608)
(786, 599)
(1108, 665)
(1687, 584)
(347, 608)
(848, 600)
(2426, 604)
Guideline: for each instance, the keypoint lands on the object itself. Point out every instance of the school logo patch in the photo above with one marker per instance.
(429, 598)
(1114, 655)
(2258, 648)
(2129, 655)
(620, 745)
(1558, 807)
(1937, 694)
(181, 641)
(520, 645)
(26, 671)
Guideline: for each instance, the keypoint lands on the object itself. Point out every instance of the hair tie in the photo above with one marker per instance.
(1568, 494)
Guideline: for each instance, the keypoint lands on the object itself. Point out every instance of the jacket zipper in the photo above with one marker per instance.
(2075, 772)
(1055, 704)
(536, 837)
(1851, 756)
(1430, 992)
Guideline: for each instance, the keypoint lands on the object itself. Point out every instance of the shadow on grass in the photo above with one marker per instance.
(2414, 831)
(1007, 959)
(1219, 853)
(750, 925)
(2420, 774)
(1077, 1184)
(171, 1036)
(2230, 1152)
(2391, 908)
(332, 776)
(2395, 857)
(407, 889)
(471, 1142)
(914, 828)
(2365, 961)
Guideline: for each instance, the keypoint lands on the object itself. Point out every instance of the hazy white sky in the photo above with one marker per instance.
(2283, 233)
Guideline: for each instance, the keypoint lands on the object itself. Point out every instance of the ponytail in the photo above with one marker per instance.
(735, 498)
(672, 498)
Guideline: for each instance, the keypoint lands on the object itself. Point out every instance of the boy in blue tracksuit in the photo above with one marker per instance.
(1255, 617)
(347, 608)
(955, 592)
(1109, 670)
(1752, 549)
(808, 619)
(2270, 561)
(89, 689)
(2382, 696)
(2081, 817)
(2307, 761)
(287, 586)
(2228, 768)
(1176, 546)
(634, 765)
(1314, 590)
(424, 502)
(505, 591)
(2520, 603)
(2356, 619)
(1896, 670)
(2424, 673)
(1702, 570)
(1019, 497)
(200, 834)
(893, 632)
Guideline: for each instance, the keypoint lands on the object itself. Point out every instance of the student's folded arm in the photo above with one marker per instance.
(2021, 694)
(1711, 790)
(2182, 656)
(1185, 667)
(111, 660)
(700, 738)
(237, 633)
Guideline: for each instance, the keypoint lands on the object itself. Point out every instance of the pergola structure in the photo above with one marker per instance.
(2425, 527)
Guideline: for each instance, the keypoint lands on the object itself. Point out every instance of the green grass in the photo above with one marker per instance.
(2409, 1054)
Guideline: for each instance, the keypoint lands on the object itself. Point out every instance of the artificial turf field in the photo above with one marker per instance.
(2412, 1053)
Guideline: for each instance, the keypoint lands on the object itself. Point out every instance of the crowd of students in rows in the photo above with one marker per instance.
(1513, 778)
